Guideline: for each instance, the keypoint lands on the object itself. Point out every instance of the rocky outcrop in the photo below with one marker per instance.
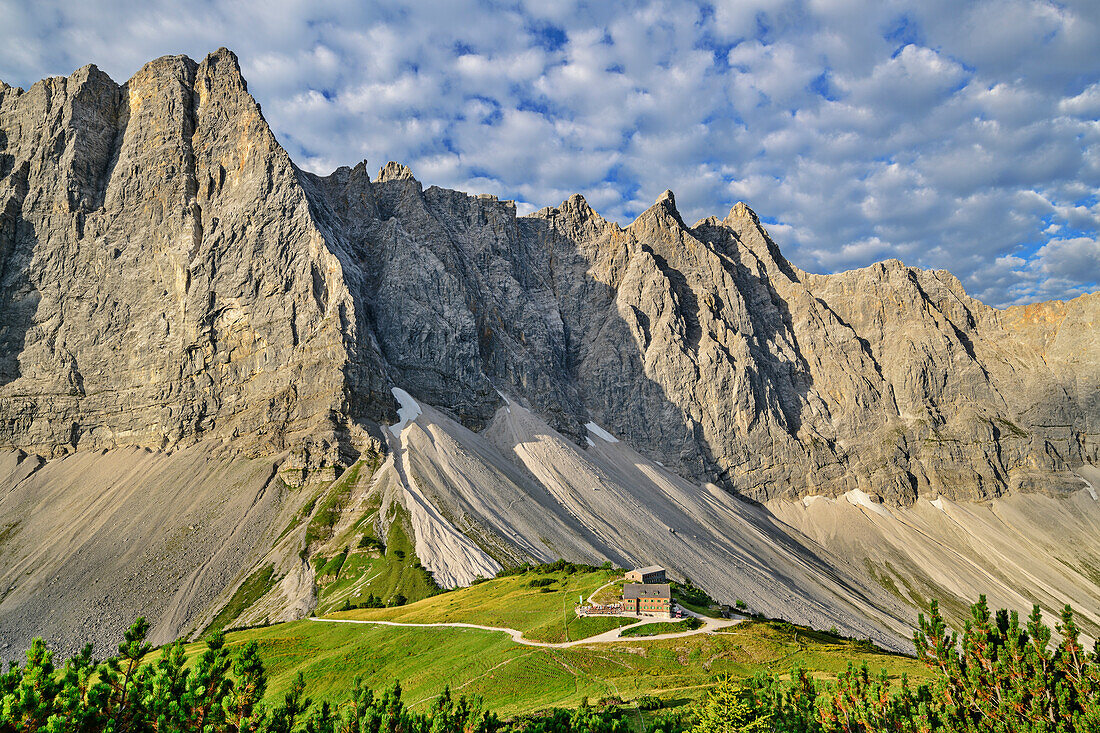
(169, 275)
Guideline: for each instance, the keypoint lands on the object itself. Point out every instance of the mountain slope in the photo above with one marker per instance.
(170, 281)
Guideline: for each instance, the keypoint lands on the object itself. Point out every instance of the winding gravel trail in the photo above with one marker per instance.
(710, 625)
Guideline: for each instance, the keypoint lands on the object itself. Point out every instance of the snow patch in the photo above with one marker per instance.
(814, 498)
(589, 441)
(938, 503)
(594, 428)
(857, 497)
(659, 463)
(406, 413)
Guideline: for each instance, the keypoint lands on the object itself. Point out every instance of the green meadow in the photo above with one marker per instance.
(513, 678)
(539, 604)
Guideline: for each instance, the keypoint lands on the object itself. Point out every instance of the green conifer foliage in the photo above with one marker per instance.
(726, 710)
(1000, 675)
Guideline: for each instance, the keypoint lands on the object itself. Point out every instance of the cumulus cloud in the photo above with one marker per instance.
(1057, 270)
(1070, 259)
(951, 135)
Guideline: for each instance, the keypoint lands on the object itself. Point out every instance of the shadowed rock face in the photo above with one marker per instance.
(705, 348)
(168, 275)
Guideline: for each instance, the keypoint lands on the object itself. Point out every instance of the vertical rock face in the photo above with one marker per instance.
(167, 274)
(162, 278)
(1066, 336)
(704, 347)
(707, 348)
(459, 299)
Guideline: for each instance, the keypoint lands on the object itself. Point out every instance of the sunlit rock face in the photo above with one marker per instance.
(168, 275)
(162, 276)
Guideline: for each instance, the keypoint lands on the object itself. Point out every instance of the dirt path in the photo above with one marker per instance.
(593, 594)
(710, 625)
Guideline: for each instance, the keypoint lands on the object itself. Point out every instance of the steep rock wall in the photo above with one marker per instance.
(168, 274)
(162, 278)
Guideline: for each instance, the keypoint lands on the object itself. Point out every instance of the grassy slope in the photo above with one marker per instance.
(517, 679)
(694, 599)
(508, 602)
(610, 594)
(584, 627)
(347, 572)
(671, 627)
(335, 499)
(396, 571)
(251, 590)
(350, 568)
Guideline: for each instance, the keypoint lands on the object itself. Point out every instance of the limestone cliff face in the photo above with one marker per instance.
(731, 363)
(1066, 337)
(167, 274)
(161, 277)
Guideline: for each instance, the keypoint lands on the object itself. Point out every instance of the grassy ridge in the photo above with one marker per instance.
(670, 627)
(394, 571)
(336, 498)
(515, 679)
(251, 590)
(586, 626)
(541, 612)
(356, 566)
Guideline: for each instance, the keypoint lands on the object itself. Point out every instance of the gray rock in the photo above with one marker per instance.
(162, 276)
(167, 274)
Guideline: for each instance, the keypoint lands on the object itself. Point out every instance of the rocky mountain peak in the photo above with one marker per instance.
(662, 214)
(574, 217)
(577, 202)
(164, 68)
(577, 208)
(393, 171)
(87, 71)
(224, 56)
(741, 210)
(202, 273)
(221, 72)
(345, 172)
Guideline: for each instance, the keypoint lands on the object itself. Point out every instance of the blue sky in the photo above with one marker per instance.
(951, 135)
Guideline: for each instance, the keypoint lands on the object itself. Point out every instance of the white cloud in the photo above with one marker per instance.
(1074, 259)
(779, 73)
(909, 83)
(1086, 104)
(958, 136)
